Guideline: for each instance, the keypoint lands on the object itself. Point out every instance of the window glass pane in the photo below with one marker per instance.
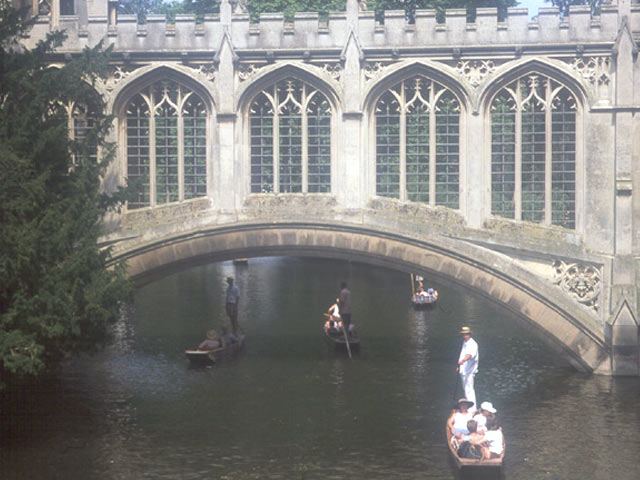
(166, 133)
(195, 151)
(503, 159)
(319, 144)
(563, 163)
(417, 139)
(447, 151)
(290, 136)
(533, 150)
(138, 151)
(388, 146)
(261, 125)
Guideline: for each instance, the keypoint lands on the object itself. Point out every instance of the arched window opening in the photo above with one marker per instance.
(290, 134)
(418, 143)
(533, 152)
(81, 121)
(166, 145)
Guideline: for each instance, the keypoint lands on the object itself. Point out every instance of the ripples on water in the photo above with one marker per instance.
(288, 407)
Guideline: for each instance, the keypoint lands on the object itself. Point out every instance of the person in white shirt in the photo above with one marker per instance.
(458, 419)
(468, 364)
(486, 408)
(493, 439)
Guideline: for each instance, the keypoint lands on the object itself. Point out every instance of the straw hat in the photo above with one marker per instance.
(468, 402)
(465, 330)
(212, 335)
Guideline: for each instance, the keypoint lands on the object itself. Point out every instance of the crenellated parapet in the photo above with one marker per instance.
(308, 32)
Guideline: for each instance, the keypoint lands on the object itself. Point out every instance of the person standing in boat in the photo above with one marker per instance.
(468, 364)
(233, 298)
(344, 304)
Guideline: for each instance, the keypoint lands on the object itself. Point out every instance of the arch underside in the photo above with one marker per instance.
(559, 322)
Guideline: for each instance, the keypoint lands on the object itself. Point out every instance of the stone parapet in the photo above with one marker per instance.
(308, 31)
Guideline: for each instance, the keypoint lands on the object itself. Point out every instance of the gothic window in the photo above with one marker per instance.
(290, 134)
(418, 143)
(533, 152)
(81, 122)
(166, 137)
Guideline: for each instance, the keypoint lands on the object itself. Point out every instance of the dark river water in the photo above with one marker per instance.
(290, 407)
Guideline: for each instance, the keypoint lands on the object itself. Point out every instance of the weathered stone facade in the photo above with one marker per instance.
(576, 285)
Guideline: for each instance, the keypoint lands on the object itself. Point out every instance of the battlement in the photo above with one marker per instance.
(308, 32)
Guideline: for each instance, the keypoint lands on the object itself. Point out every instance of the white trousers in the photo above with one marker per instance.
(467, 385)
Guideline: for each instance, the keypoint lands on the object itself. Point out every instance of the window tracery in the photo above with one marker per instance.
(290, 135)
(418, 144)
(166, 144)
(533, 152)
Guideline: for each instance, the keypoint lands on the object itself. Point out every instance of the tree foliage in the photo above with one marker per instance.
(563, 5)
(56, 294)
(290, 7)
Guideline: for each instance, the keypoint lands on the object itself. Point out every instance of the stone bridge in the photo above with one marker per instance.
(499, 155)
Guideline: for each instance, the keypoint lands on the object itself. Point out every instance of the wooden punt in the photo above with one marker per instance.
(472, 462)
(203, 358)
(338, 341)
(423, 301)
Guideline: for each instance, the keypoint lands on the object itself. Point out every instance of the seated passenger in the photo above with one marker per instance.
(486, 410)
(457, 423)
(334, 311)
(211, 342)
(494, 442)
(470, 445)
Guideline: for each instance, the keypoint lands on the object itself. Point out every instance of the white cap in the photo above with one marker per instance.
(488, 407)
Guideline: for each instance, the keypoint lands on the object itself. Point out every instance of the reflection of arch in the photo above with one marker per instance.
(534, 112)
(416, 120)
(164, 123)
(532, 299)
(291, 119)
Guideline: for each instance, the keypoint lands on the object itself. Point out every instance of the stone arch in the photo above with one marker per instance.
(570, 331)
(150, 74)
(398, 72)
(269, 75)
(509, 72)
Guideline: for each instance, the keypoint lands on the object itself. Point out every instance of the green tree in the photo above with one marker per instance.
(56, 294)
(290, 7)
(563, 5)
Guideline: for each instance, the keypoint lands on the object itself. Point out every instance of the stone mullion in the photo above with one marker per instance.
(403, 145)
(548, 155)
(432, 146)
(152, 150)
(305, 141)
(180, 155)
(276, 145)
(517, 193)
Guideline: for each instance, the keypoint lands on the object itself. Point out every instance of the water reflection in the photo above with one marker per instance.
(288, 406)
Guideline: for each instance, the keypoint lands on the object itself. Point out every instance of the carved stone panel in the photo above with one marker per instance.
(581, 281)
